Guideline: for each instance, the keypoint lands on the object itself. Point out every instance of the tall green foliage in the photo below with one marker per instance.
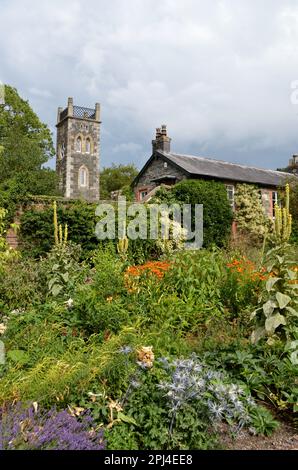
(26, 145)
(117, 177)
(294, 211)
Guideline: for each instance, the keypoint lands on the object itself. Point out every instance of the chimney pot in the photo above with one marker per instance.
(162, 141)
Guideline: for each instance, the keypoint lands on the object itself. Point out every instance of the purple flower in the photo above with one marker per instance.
(125, 349)
(53, 430)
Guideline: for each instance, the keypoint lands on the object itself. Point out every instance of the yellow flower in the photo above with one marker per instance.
(146, 356)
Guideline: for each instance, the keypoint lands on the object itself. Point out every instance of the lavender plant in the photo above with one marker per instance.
(29, 428)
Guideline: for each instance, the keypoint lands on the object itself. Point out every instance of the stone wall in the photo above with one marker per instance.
(69, 160)
(156, 169)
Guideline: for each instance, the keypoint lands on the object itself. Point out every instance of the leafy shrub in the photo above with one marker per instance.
(266, 370)
(242, 284)
(20, 284)
(60, 366)
(217, 215)
(98, 305)
(61, 270)
(177, 405)
(276, 315)
(37, 237)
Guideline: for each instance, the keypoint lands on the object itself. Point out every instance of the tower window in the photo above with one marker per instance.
(88, 145)
(83, 177)
(79, 144)
(62, 150)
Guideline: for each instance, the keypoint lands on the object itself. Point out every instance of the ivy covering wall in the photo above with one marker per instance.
(250, 216)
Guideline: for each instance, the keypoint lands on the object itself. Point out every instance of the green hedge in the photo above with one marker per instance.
(217, 213)
(37, 233)
(37, 238)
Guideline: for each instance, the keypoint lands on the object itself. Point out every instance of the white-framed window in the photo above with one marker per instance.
(78, 144)
(274, 196)
(165, 165)
(83, 177)
(231, 195)
(88, 145)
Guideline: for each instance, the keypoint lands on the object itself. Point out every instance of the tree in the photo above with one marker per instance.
(116, 177)
(26, 144)
(217, 213)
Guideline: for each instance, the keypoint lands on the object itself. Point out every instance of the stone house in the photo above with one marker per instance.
(168, 168)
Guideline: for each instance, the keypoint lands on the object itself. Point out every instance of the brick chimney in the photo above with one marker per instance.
(162, 141)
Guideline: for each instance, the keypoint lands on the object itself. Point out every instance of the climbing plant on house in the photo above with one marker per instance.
(250, 216)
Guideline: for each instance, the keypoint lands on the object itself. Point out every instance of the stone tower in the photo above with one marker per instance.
(77, 160)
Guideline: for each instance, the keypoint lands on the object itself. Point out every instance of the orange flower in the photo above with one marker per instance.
(155, 268)
(247, 270)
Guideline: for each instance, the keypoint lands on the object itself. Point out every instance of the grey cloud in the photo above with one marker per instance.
(218, 73)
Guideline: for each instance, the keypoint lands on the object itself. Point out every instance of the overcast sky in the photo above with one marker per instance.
(218, 73)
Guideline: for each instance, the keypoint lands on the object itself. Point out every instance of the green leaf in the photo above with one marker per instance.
(268, 307)
(270, 283)
(291, 274)
(126, 419)
(56, 290)
(257, 335)
(52, 282)
(273, 322)
(65, 277)
(292, 311)
(294, 357)
(255, 312)
(282, 300)
(19, 356)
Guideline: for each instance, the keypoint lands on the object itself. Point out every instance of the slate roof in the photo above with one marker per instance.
(196, 166)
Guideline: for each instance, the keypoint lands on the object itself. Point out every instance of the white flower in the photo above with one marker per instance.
(69, 303)
(17, 311)
(2, 328)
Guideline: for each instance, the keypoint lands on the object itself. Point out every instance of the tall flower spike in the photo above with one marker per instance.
(55, 223)
(283, 220)
(60, 234)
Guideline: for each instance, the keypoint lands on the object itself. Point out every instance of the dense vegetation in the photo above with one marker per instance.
(139, 344)
(153, 355)
(21, 171)
(115, 178)
(213, 196)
